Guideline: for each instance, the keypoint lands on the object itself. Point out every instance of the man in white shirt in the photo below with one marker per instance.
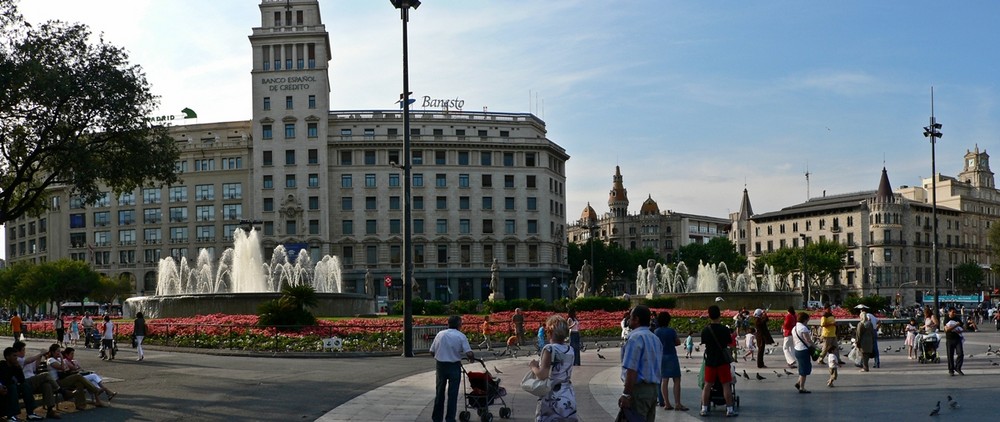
(448, 348)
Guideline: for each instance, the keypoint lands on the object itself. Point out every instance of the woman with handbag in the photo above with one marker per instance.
(556, 366)
(804, 350)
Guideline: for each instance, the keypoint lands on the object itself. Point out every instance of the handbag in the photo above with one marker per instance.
(135, 341)
(535, 386)
(813, 351)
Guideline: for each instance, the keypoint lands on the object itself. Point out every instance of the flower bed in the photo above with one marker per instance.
(240, 332)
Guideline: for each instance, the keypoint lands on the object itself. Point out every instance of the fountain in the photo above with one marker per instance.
(242, 280)
(715, 281)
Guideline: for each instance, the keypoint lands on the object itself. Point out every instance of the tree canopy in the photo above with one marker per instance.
(821, 260)
(72, 113)
(716, 250)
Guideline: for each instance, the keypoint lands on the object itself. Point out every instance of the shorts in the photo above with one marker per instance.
(721, 373)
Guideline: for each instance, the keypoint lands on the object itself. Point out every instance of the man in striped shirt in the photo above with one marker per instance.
(641, 359)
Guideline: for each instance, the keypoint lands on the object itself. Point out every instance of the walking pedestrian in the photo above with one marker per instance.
(865, 342)
(788, 344)
(953, 341)
(911, 336)
(641, 360)
(554, 365)
(88, 329)
(670, 366)
(802, 336)
(139, 331)
(15, 326)
(762, 334)
(828, 332)
(447, 349)
(60, 326)
(74, 331)
(716, 338)
(574, 335)
(517, 321)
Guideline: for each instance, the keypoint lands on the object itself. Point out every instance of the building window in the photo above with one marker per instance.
(345, 181)
(394, 226)
(394, 202)
(232, 211)
(532, 203)
(371, 255)
(288, 102)
(312, 130)
(509, 227)
(508, 159)
(418, 226)
(149, 196)
(440, 157)
(289, 180)
(532, 226)
(371, 203)
(487, 226)
(464, 226)
(370, 180)
(418, 202)
(312, 101)
(347, 203)
(371, 227)
(313, 180)
(440, 180)
(529, 159)
(394, 180)
(370, 158)
(178, 194)
(508, 181)
(314, 202)
(267, 103)
(463, 202)
(487, 180)
(418, 180)
(463, 158)
(486, 158)
(442, 202)
(463, 180)
(442, 226)
(508, 203)
(291, 228)
(313, 156)
(346, 158)
(345, 134)
(204, 192)
(347, 226)
(487, 202)
(529, 181)
(268, 182)
(313, 226)
(289, 130)
(205, 213)
(289, 157)
(267, 159)
(417, 158)
(267, 131)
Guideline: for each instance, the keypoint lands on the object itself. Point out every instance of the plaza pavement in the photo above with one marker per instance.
(900, 389)
(181, 385)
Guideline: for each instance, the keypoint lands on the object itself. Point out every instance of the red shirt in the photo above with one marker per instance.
(788, 325)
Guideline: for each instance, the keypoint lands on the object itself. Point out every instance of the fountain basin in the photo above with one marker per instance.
(185, 305)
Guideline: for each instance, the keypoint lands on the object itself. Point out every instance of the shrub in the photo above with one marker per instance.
(416, 306)
(463, 307)
(434, 307)
(663, 302)
(290, 308)
(600, 303)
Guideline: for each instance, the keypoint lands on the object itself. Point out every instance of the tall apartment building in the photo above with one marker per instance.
(664, 232)
(888, 235)
(485, 186)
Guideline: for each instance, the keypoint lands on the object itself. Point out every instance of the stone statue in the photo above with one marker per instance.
(581, 284)
(495, 276)
(586, 271)
(369, 283)
(495, 287)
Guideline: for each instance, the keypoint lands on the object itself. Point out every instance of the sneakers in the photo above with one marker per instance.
(34, 417)
(731, 413)
(704, 412)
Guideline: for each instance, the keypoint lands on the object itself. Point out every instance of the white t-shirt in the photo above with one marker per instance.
(53, 372)
(751, 342)
(799, 333)
(450, 346)
(109, 331)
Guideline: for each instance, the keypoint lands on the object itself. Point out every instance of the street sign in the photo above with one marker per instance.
(388, 281)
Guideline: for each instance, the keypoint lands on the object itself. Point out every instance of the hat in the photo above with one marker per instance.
(758, 313)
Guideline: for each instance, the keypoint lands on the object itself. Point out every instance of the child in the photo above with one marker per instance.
(911, 335)
(689, 344)
(751, 343)
(541, 338)
(832, 362)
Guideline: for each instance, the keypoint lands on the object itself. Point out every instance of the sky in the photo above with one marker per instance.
(695, 100)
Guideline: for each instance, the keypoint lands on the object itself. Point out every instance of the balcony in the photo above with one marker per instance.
(126, 243)
(204, 239)
(835, 229)
(152, 241)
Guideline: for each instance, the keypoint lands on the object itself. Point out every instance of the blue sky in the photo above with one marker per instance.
(693, 99)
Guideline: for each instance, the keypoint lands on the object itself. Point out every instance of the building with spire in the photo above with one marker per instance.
(888, 233)
(486, 186)
(664, 232)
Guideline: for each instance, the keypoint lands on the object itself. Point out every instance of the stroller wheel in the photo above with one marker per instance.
(504, 413)
(480, 411)
(465, 416)
(487, 417)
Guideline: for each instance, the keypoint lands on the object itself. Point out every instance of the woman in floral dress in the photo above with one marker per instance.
(556, 365)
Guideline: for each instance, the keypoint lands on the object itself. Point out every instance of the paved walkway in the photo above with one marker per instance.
(899, 388)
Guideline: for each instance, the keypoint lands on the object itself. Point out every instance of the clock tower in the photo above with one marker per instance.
(976, 169)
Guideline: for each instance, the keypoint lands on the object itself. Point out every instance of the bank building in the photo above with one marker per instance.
(485, 186)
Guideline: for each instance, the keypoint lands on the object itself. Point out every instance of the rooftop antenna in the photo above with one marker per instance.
(807, 181)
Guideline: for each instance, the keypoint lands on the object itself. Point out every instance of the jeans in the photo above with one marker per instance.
(956, 355)
(86, 336)
(875, 348)
(449, 373)
(9, 405)
(574, 342)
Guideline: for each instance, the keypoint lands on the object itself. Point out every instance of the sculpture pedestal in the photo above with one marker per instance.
(496, 296)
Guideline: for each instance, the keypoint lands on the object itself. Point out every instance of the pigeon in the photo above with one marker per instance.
(887, 349)
(745, 375)
(776, 373)
(952, 403)
(600, 356)
(937, 409)
(970, 355)
(497, 370)
(598, 347)
(787, 372)
(760, 378)
(995, 364)
(583, 348)
(687, 370)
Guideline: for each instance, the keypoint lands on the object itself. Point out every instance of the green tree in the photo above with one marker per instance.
(72, 113)
(823, 260)
(993, 238)
(969, 276)
(10, 278)
(609, 260)
(716, 250)
(785, 261)
(110, 290)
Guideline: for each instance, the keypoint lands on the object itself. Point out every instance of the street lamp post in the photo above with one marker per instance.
(805, 278)
(933, 131)
(404, 14)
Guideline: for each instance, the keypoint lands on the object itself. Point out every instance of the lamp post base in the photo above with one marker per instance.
(496, 296)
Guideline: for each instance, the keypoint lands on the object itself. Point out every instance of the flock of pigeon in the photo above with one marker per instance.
(952, 403)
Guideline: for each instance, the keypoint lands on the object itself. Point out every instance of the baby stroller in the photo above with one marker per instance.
(104, 352)
(716, 396)
(927, 348)
(485, 390)
(95, 339)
